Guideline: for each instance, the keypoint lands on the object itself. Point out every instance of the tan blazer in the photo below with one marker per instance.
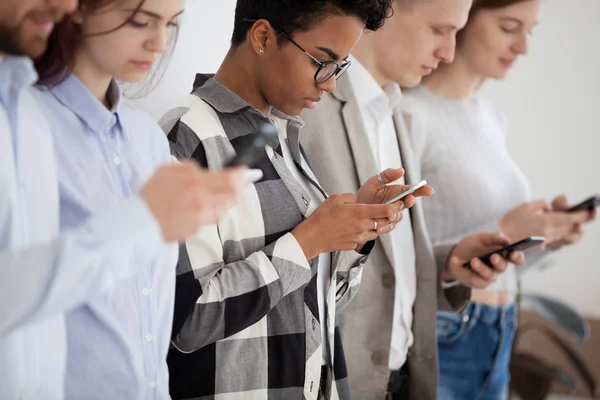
(339, 152)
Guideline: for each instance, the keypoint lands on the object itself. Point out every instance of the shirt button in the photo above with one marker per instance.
(117, 160)
(148, 337)
(152, 384)
(388, 280)
(379, 357)
(466, 318)
(145, 292)
(305, 201)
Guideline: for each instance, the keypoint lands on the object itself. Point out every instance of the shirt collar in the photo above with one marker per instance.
(17, 73)
(77, 97)
(224, 101)
(379, 102)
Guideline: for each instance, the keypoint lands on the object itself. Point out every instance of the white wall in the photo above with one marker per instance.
(552, 100)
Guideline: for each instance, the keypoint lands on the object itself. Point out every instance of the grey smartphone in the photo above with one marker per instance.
(586, 205)
(405, 193)
(521, 245)
(252, 147)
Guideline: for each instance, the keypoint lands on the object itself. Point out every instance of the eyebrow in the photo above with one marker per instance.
(516, 20)
(449, 27)
(154, 15)
(512, 19)
(329, 52)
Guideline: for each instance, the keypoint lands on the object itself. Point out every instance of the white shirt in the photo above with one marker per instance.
(324, 272)
(376, 107)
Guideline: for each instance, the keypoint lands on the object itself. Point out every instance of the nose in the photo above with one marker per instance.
(329, 85)
(447, 49)
(158, 42)
(521, 46)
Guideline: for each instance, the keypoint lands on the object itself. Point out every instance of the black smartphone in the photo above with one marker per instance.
(586, 205)
(521, 245)
(252, 147)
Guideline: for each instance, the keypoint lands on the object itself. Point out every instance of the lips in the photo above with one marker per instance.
(145, 65)
(44, 25)
(507, 62)
(311, 102)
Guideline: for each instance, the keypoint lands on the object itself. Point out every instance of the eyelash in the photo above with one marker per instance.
(136, 24)
(438, 32)
(509, 31)
(141, 25)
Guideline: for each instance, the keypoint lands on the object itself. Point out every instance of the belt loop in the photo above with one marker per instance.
(475, 315)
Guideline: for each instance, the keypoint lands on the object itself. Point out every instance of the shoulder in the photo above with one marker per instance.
(184, 109)
(146, 131)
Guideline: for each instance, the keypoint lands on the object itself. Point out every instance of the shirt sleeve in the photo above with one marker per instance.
(215, 299)
(55, 277)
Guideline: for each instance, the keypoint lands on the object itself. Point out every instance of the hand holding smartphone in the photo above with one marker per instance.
(521, 245)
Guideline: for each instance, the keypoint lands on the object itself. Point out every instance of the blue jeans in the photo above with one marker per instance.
(474, 352)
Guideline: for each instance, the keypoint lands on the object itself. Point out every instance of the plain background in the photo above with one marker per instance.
(551, 99)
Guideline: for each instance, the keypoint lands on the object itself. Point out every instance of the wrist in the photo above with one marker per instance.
(305, 239)
(447, 276)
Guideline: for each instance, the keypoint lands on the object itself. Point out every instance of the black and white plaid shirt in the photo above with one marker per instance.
(246, 322)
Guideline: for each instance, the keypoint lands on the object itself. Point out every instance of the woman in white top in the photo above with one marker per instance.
(460, 140)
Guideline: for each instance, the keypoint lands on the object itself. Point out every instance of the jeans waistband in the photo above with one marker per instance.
(490, 314)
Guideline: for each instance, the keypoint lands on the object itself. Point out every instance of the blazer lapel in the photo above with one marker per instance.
(406, 155)
(362, 154)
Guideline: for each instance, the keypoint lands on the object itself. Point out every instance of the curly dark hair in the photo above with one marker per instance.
(292, 16)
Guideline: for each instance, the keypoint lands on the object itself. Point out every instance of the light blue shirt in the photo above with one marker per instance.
(118, 343)
(43, 275)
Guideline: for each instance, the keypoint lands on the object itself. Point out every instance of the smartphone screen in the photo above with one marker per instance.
(405, 193)
(252, 147)
(521, 245)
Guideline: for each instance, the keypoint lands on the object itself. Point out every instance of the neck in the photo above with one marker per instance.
(365, 53)
(455, 81)
(95, 80)
(242, 80)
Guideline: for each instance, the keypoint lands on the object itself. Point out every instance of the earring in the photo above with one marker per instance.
(261, 50)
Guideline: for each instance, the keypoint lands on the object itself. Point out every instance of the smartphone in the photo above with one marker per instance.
(587, 205)
(252, 147)
(411, 190)
(521, 245)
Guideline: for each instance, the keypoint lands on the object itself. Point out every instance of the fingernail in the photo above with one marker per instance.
(253, 175)
(393, 217)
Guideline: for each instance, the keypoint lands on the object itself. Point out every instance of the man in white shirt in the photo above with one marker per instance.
(44, 274)
(389, 330)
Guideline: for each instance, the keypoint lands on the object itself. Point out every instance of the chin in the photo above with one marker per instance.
(500, 73)
(408, 82)
(131, 76)
(290, 110)
(34, 48)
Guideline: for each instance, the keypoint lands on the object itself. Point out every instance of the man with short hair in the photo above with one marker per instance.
(389, 329)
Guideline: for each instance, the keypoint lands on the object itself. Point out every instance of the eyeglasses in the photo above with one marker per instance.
(325, 70)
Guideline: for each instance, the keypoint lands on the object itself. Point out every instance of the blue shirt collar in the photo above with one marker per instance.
(76, 96)
(17, 73)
